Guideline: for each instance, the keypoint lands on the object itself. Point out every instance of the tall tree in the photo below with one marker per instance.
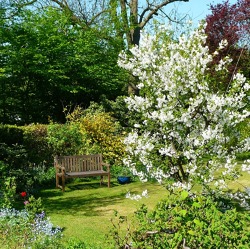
(49, 63)
(126, 18)
(133, 15)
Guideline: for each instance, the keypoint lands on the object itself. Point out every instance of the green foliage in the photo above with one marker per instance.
(59, 63)
(36, 144)
(119, 110)
(64, 139)
(26, 155)
(16, 165)
(7, 190)
(33, 207)
(74, 243)
(88, 131)
(103, 134)
(120, 170)
(31, 140)
(11, 134)
(244, 130)
(193, 221)
(18, 230)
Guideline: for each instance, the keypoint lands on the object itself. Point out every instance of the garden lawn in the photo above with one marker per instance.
(85, 209)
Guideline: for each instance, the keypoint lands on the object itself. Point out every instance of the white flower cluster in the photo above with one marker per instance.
(137, 197)
(180, 119)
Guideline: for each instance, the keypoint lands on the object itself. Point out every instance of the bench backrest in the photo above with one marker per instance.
(80, 163)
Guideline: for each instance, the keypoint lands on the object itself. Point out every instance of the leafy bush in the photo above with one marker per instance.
(15, 159)
(88, 131)
(36, 144)
(11, 134)
(23, 153)
(184, 220)
(64, 139)
(74, 243)
(7, 191)
(103, 133)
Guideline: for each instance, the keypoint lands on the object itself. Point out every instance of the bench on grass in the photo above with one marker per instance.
(80, 166)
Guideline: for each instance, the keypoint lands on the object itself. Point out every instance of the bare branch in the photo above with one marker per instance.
(154, 10)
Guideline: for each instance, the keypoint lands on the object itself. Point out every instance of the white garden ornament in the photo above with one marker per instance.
(183, 130)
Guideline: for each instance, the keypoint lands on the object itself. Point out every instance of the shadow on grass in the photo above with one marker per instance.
(82, 198)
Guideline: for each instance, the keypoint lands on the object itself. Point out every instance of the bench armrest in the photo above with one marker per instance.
(60, 169)
(106, 165)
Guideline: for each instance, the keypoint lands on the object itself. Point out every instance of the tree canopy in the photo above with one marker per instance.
(47, 63)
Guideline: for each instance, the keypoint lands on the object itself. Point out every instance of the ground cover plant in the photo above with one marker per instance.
(28, 227)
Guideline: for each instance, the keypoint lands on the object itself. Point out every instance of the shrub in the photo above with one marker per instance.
(193, 221)
(7, 191)
(104, 134)
(11, 134)
(36, 144)
(23, 154)
(88, 131)
(64, 139)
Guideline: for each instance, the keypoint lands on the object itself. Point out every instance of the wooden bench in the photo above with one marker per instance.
(80, 166)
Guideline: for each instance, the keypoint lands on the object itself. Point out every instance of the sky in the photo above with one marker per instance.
(196, 9)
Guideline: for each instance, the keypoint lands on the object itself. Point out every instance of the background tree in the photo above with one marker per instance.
(231, 23)
(124, 19)
(49, 63)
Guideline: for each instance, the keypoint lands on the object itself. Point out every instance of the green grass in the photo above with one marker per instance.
(85, 209)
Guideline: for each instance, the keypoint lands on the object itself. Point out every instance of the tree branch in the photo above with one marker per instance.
(154, 10)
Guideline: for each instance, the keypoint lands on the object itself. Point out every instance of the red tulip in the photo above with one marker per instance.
(23, 194)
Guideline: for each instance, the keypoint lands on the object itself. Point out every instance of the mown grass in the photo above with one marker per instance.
(85, 209)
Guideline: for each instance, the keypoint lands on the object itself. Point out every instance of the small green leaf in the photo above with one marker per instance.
(184, 195)
(183, 212)
(191, 232)
(197, 222)
(196, 204)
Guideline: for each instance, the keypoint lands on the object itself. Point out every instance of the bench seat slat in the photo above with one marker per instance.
(87, 173)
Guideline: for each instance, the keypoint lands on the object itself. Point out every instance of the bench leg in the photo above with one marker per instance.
(101, 181)
(109, 180)
(63, 183)
(57, 180)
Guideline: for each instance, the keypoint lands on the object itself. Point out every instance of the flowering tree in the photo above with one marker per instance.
(182, 129)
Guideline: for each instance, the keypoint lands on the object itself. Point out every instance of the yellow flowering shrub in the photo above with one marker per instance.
(100, 132)
(103, 134)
